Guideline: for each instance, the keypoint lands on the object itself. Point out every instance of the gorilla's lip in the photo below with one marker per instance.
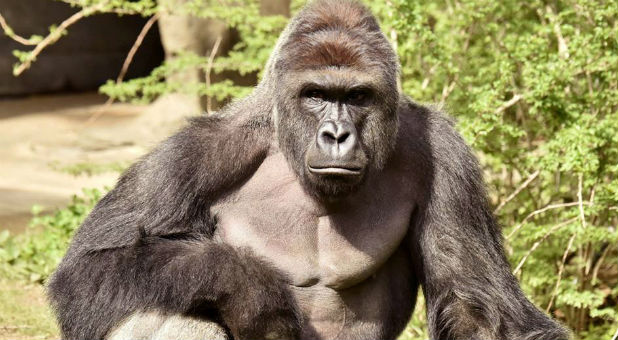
(336, 170)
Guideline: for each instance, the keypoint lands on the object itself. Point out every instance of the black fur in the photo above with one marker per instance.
(457, 246)
(148, 243)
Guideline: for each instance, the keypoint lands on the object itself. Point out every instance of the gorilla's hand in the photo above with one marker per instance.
(259, 303)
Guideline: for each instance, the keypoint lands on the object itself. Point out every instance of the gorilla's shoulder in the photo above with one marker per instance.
(414, 116)
(428, 136)
(225, 120)
(426, 123)
(232, 119)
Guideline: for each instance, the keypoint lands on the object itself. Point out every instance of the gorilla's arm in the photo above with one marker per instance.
(170, 190)
(146, 245)
(466, 279)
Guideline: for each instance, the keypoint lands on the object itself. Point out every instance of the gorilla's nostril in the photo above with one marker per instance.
(343, 137)
(329, 137)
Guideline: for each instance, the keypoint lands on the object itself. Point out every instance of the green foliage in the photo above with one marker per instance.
(121, 7)
(146, 89)
(89, 168)
(257, 34)
(35, 254)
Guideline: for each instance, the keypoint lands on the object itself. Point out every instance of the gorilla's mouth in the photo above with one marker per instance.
(335, 171)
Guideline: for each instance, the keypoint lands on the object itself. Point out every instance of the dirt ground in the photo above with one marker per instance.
(41, 135)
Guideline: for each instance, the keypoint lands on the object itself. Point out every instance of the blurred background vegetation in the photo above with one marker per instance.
(533, 86)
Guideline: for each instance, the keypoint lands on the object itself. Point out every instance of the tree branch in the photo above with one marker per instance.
(447, 89)
(510, 103)
(580, 203)
(597, 266)
(542, 210)
(537, 243)
(211, 60)
(127, 63)
(11, 34)
(518, 190)
(560, 271)
(135, 47)
(52, 37)
(563, 49)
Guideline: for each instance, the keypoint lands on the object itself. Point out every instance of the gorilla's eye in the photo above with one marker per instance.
(357, 97)
(314, 94)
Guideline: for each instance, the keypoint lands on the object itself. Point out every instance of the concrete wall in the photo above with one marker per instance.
(91, 53)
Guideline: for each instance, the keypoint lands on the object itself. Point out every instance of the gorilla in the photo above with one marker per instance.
(312, 209)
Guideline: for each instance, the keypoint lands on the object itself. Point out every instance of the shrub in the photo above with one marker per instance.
(36, 253)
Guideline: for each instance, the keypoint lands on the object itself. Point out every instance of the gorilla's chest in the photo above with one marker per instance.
(331, 247)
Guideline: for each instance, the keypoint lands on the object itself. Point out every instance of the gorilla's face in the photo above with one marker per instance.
(336, 153)
(335, 93)
(335, 161)
(335, 127)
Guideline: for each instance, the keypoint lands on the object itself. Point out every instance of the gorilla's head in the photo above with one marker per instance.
(334, 80)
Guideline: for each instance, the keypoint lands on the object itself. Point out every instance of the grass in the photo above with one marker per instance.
(24, 312)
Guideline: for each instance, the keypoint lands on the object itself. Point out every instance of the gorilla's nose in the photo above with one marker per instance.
(337, 139)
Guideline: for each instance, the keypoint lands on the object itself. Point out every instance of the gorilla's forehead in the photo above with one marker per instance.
(335, 47)
(332, 47)
(336, 34)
